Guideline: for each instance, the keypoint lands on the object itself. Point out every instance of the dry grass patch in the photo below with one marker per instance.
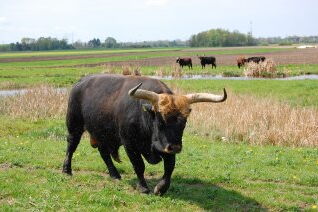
(268, 69)
(36, 103)
(10, 85)
(256, 121)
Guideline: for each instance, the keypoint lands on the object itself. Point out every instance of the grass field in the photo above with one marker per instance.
(224, 165)
(208, 175)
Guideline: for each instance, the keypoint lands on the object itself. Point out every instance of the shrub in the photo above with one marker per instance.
(265, 69)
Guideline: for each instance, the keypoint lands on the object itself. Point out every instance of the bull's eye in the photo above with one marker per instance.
(172, 119)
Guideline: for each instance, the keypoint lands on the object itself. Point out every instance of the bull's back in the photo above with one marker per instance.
(103, 101)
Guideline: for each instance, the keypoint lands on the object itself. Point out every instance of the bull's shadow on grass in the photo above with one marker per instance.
(206, 195)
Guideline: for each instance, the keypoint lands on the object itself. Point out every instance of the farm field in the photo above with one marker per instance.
(258, 151)
(63, 68)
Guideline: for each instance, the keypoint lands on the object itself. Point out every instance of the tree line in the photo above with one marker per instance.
(220, 38)
(210, 38)
(40, 44)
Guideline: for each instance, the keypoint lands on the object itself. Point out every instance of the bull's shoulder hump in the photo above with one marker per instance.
(148, 84)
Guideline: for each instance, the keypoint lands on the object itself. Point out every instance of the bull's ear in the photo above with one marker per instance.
(147, 108)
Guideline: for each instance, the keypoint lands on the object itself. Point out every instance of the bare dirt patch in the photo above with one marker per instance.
(296, 56)
(291, 56)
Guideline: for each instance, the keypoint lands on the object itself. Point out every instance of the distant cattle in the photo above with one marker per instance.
(207, 60)
(256, 59)
(140, 113)
(184, 62)
(242, 60)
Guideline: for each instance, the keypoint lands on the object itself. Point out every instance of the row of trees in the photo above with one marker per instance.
(210, 38)
(111, 42)
(288, 40)
(221, 37)
(40, 44)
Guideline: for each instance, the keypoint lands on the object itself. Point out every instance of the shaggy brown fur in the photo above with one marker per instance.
(173, 104)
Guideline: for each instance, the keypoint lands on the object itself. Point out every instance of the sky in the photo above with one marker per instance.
(140, 20)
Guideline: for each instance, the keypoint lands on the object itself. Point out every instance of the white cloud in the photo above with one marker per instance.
(156, 2)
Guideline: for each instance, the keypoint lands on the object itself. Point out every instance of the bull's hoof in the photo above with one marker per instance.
(161, 188)
(142, 189)
(94, 145)
(115, 176)
(67, 171)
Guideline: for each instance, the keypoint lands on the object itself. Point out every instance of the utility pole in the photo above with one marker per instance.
(251, 28)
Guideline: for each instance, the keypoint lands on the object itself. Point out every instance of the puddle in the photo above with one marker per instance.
(6, 93)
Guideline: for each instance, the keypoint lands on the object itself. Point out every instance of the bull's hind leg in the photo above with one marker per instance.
(104, 153)
(75, 126)
(72, 143)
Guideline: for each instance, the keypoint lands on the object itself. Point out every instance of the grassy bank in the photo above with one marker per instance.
(14, 77)
(208, 175)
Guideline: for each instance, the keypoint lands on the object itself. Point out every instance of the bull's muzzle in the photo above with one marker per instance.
(173, 148)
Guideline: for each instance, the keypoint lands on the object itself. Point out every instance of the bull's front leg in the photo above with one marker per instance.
(139, 167)
(164, 183)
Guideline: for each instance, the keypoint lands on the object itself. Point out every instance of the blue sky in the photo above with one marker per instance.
(138, 20)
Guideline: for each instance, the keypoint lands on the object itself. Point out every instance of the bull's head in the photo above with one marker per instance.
(178, 59)
(169, 113)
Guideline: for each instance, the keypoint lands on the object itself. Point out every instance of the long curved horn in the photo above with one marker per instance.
(143, 94)
(206, 97)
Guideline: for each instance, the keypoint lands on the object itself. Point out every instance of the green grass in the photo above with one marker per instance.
(208, 175)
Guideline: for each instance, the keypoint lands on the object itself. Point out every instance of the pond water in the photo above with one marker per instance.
(5, 93)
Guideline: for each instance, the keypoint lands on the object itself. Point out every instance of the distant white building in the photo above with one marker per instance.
(306, 47)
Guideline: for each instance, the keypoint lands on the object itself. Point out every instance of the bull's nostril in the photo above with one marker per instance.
(170, 148)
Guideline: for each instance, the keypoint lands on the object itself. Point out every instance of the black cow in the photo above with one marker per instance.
(255, 59)
(184, 62)
(207, 60)
(148, 122)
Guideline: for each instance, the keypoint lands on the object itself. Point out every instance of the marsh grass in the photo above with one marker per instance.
(242, 118)
(37, 103)
(259, 121)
